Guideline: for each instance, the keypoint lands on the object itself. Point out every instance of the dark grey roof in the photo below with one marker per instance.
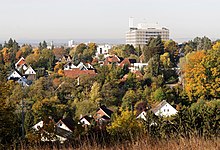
(106, 110)
(105, 117)
(132, 60)
(63, 133)
(89, 119)
(159, 106)
(69, 123)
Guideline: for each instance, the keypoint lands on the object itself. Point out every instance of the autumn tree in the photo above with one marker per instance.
(201, 73)
(216, 46)
(95, 95)
(125, 126)
(165, 60)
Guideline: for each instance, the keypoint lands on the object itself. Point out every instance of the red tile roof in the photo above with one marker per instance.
(111, 59)
(21, 62)
(124, 62)
(138, 74)
(74, 73)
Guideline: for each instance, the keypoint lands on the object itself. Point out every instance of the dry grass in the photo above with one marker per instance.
(146, 144)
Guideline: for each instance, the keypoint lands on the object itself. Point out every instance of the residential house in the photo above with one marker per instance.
(164, 109)
(69, 66)
(128, 62)
(138, 74)
(44, 128)
(30, 73)
(90, 67)
(86, 120)
(112, 59)
(103, 49)
(66, 58)
(75, 73)
(139, 66)
(15, 75)
(24, 82)
(66, 124)
(142, 115)
(65, 128)
(81, 66)
(20, 62)
(141, 110)
(103, 114)
(38, 126)
(62, 130)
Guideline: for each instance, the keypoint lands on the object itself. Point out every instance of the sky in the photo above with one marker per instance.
(105, 19)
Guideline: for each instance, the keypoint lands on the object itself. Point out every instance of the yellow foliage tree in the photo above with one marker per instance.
(61, 72)
(95, 95)
(202, 75)
(125, 125)
(194, 73)
(216, 46)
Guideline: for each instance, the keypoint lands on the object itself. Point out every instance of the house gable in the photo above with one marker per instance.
(62, 125)
(38, 125)
(142, 115)
(15, 75)
(104, 113)
(66, 124)
(84, 121)
(69, 66)
(30, 71)
(20, 62)
(74, 73)
(164, 109)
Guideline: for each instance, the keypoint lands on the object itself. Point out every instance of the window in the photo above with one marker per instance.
(60, 124)
(167, 110)
(164, 110)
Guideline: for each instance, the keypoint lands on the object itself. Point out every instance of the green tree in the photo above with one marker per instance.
(129, 100)
(154, 47)
(44, 45)
(8, 118)
(28, 122)
(159, 95)
(85, 108)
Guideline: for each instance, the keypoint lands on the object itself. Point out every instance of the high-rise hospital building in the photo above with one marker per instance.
(143, 32)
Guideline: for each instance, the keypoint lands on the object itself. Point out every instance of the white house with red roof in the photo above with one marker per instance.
(20, 62)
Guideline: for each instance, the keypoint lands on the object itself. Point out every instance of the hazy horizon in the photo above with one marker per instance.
(33, 20)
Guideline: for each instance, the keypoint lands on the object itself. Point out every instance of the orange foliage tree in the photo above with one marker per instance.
(202, 75)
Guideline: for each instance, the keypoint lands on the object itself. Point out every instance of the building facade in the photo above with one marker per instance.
(140, 35)
(103, 49)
